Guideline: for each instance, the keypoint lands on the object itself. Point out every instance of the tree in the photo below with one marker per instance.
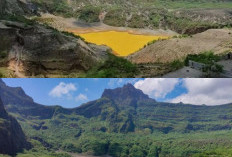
(136, 151)
(115, 150)
(99, 147)
(154, 151)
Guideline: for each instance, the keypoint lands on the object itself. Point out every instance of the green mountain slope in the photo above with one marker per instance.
(12, 138)
(125, 122)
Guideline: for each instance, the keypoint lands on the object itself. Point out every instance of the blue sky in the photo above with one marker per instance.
(71, 93)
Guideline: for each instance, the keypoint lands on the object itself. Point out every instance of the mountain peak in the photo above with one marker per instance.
(125, 92)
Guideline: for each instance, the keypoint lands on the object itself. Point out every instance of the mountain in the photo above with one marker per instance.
(125, 95)
(123, 122)
(12, 138)
(18, 102)
(122, 105)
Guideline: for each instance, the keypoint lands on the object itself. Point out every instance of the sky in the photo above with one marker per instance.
(71, 93)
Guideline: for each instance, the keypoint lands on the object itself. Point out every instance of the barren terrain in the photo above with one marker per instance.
(216, 40)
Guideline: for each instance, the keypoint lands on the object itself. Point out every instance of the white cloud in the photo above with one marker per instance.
(209, 91)
(115, 81)
(81, 97)
(157, 87)
(62, 89)
(119, 81)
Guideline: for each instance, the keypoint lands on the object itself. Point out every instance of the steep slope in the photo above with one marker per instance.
(12, 138)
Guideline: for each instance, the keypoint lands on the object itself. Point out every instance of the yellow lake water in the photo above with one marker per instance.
(122, 43)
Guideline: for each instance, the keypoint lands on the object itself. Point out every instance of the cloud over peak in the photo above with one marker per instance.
(62, 89)
(156, 87)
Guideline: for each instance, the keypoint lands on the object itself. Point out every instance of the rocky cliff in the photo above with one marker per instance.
(31, 49)
(34, 49)
(127, 95)
(12, 138)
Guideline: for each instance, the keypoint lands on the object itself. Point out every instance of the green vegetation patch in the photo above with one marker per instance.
(58, 7)
(18, 18)
(137, 21)
(115, 17)
(207, 57)
(90, 14)
(113, 67)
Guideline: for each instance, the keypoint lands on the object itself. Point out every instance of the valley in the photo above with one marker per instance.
(110, 39)
(122, 122)
(122, 40)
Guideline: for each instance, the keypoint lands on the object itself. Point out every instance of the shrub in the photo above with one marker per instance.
(99, 147)
(90, 14)
(136, 151)
(207, 57)
(177, 64)
(71, 148)
(115, 17)
(113, 67)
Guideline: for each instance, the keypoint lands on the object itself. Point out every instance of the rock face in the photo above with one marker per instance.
(31, 49)
(34, 50)
(12, 138)
(17, 7)
(127, 95)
